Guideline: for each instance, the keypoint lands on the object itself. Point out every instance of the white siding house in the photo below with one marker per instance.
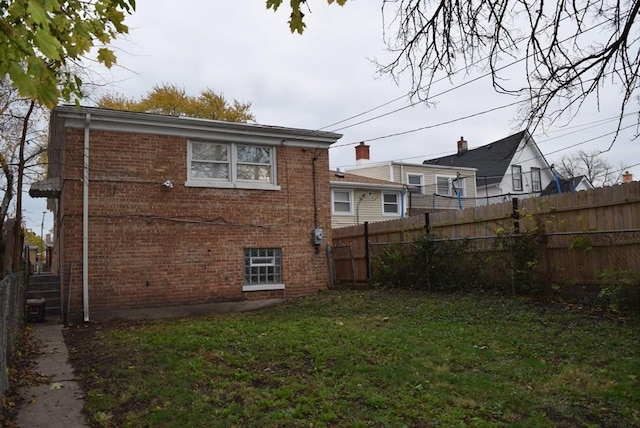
(427, 188)
(511, 167)
(356, 199)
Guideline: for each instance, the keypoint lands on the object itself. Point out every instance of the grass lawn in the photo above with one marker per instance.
(365, 358)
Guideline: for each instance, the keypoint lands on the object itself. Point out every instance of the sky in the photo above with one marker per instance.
(327, 79)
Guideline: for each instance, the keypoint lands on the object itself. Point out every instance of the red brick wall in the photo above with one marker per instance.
(150, 246)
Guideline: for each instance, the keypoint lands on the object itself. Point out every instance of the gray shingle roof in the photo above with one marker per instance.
(491, 160)
(566, 185)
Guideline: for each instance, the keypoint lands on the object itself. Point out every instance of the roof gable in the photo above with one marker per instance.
(567, 185)
(491, 160)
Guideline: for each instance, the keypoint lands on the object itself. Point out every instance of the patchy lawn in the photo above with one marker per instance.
(365, 358)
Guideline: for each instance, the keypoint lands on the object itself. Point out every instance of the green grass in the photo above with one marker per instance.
(366, 358)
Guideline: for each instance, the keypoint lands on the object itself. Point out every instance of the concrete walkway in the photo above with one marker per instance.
(59, 402)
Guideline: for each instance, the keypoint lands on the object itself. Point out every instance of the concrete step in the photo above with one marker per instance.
(34, 280)
(46, 286)
(50, 295)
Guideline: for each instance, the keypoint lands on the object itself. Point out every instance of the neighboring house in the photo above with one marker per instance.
(356, 199)
(154, 210)
(511, 167)
(428, 188)
(567, 185)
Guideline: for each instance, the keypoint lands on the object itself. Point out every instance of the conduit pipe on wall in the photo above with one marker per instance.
(85, 219)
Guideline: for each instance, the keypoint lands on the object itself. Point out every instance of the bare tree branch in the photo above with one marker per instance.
(571, 49)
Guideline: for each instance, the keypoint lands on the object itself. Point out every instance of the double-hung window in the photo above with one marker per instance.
(342, 202)
(391, 203)
(516, 177)
(415, 183)
(449, 186)
(262, 269)
(217, 164)
(536, 180)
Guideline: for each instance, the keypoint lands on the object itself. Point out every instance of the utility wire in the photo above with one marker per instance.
(473, 64)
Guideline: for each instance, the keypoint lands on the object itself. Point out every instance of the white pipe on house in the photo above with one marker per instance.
(85, 220)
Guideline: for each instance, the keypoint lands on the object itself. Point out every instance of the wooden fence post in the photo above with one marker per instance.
(427, 228)
(515, 215)
(367, 252)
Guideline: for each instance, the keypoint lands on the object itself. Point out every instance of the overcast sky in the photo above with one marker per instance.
(326, 76)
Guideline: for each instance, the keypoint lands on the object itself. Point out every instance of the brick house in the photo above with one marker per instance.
(154, 210)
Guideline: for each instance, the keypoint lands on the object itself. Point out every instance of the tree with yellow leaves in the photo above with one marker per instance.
(173, 100)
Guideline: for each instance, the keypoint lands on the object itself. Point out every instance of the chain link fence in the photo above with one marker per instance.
(592, 267)
(12, 312)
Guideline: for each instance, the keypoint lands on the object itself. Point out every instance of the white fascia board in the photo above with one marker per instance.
(368, 186)
(434, 166)
(193, 128)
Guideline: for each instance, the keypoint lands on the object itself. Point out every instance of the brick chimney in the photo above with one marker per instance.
(362, 153)
(462, 146)
(627, 177)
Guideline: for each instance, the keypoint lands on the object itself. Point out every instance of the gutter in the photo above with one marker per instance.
(85, 219)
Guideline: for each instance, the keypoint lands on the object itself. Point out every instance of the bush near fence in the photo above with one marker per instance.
(495, 264)
(12, 312)
(585, 247)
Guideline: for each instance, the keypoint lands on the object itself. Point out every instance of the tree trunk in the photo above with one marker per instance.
(17, 243)
(4, 208)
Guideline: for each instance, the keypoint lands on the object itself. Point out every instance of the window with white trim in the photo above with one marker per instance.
(536, 180)
(342, 201)
(450, 186)
(391, 203)
(262, 269)
(415, 183)
(216, 164)
(516, 177)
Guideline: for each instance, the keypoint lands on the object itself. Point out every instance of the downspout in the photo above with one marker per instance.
(85, 220)
(458, 191)
(315, 198)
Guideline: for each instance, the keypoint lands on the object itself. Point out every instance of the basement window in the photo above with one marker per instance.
(262, 269)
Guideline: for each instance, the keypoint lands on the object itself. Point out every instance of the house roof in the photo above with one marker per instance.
(491, 160)
(190, 127)
(567, 185)
(339, 178)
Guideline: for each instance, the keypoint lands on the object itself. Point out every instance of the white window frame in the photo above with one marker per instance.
(268, 262)
(516, 177)
(333, 202)
(420, 188)
(232, 182)
(385, 203)
(450, 180)
(536, 178)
